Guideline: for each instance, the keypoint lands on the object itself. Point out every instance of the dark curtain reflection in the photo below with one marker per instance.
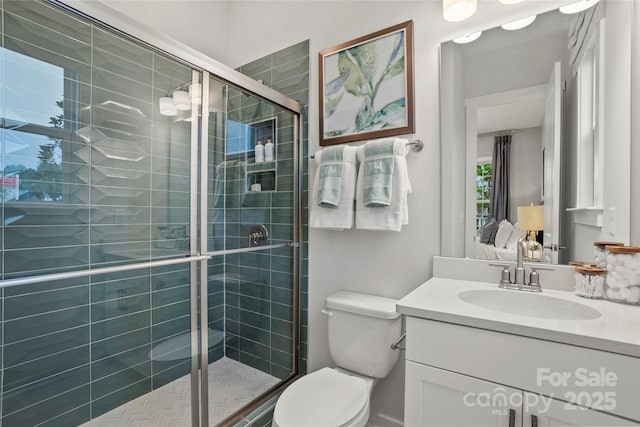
(500, 178)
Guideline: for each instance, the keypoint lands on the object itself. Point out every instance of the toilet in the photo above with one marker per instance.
(362, 328)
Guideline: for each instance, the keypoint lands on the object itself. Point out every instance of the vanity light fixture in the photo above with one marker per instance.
(167, 108)
(519, 24)
(578, 6)
(458, 10)
(467, 38)
(181, 100)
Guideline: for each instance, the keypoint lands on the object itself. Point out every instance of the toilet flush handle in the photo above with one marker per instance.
(327, 312)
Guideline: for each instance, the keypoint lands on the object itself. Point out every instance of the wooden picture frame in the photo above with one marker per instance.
(366, 87)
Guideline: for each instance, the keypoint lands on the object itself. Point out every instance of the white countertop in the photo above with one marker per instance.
(617, 330)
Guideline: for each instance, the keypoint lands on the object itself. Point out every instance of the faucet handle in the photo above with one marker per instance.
(534, 276)
(505, 274)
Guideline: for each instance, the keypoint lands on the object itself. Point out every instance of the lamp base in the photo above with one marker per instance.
(534, 252)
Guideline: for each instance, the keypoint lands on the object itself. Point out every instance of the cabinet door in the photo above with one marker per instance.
(438, 398)
(542, 411)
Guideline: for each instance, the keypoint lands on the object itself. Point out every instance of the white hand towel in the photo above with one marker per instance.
(339, 217)
(394, 216)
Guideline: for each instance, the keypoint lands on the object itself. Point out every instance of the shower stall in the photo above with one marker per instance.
(150, 266)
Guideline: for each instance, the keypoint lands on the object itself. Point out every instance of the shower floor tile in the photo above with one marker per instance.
(231, 385)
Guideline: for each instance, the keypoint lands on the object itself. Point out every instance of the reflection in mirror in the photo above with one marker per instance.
(523, 118)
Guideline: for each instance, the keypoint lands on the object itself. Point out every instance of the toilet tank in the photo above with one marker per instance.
(362, 328)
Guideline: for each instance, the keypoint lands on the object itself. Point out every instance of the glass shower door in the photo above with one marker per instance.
(97, 217)
(251, 222)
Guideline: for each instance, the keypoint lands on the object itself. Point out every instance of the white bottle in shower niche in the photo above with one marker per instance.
(268, 151)
(259, 151)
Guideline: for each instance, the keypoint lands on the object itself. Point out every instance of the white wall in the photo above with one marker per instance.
(453, 137)
(617, 122)
(635, 130)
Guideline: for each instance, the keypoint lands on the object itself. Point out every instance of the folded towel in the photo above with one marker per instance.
(330, 172)
(340, 216)
(396, 214)
(378, 167)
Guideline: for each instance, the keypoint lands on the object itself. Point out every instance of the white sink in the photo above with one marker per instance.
(528, 304)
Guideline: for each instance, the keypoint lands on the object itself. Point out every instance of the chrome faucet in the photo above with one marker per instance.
(519, 279)
(519, 272)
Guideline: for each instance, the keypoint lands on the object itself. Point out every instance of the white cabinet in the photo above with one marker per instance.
(462, 376)
(439, 398)
(434, 397)
(555, 413)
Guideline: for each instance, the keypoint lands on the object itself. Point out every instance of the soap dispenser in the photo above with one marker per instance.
(268, 151)
(259, 152)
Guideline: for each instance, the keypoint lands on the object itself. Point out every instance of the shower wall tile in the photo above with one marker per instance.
(109, 42)
(38, 35)
(50, 409)
(51, 18)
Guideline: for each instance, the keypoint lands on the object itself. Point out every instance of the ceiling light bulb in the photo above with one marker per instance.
(458, 10)
(578, 6)
(510, 1)
(181, 100)
(468, 38)
(519, 24)
(166, 106)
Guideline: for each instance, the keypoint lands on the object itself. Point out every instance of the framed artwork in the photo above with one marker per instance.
(366, 87)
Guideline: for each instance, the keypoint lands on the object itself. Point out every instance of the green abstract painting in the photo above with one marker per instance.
(367, 87)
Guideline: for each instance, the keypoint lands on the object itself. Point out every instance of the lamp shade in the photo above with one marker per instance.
(166, 106)
(519, 24)
(531, 218)
(458, 10)
(468, 38)
(181, 100)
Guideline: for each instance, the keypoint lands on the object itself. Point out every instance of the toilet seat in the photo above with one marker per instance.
(324, 398)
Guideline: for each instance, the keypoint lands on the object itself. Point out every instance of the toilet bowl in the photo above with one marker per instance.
(168, 352)
(361, 330)
(327, 397)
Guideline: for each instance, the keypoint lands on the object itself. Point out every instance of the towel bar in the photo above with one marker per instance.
(416, 144)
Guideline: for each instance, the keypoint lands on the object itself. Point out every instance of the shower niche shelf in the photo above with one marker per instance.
(266, 178)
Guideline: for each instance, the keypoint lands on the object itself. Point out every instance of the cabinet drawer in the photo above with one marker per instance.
(549, 368)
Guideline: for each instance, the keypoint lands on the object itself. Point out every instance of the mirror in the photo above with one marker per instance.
(551, 103)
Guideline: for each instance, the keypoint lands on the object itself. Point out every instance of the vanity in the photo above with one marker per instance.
(478, 355)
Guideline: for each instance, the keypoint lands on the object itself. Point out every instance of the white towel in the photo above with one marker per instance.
(394, 216)
(340, 217)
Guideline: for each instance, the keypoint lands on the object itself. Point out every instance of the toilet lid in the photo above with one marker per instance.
(323, 398)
